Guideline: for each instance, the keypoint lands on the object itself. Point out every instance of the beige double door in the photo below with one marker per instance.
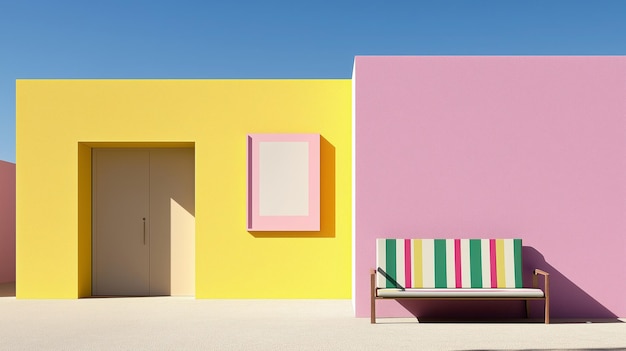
(143, 222)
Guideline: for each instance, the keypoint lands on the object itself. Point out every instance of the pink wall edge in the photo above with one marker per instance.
(475, 147)
(7, 222)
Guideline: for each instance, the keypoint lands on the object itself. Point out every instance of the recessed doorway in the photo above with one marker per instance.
(143, 222)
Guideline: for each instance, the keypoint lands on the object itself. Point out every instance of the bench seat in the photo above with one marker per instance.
(516, 293)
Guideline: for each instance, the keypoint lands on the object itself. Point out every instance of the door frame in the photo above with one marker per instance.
(85, 203)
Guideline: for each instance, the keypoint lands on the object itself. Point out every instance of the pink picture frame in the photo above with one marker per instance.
(283, 182)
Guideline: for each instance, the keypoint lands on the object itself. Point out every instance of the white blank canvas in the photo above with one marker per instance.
(284, 178)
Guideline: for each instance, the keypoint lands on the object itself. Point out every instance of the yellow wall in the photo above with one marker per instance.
(59, 121)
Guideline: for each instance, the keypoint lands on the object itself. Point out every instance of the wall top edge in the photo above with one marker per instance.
(517, 56)
(183, 79)
(487, 57)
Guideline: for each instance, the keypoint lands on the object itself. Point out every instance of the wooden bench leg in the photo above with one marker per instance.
(373, 296)
(546, 291)
(547, 311)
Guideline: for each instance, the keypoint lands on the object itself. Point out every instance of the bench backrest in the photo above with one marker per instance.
(449, 263)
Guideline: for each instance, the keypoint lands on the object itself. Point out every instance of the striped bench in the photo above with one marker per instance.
(453, 269)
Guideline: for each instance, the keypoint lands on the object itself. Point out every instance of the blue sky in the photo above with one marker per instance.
(278, 39)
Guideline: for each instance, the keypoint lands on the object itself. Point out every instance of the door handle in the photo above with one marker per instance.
(144, 231)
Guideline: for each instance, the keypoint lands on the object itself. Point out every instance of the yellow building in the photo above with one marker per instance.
(66, 129)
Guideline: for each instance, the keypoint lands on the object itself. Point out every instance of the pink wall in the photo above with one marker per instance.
(7, 222)
(529, 147)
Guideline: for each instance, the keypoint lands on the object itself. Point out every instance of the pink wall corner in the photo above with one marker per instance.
(529, 147)
(7, 222)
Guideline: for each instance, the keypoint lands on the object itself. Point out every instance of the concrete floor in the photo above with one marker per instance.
(178, 323)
